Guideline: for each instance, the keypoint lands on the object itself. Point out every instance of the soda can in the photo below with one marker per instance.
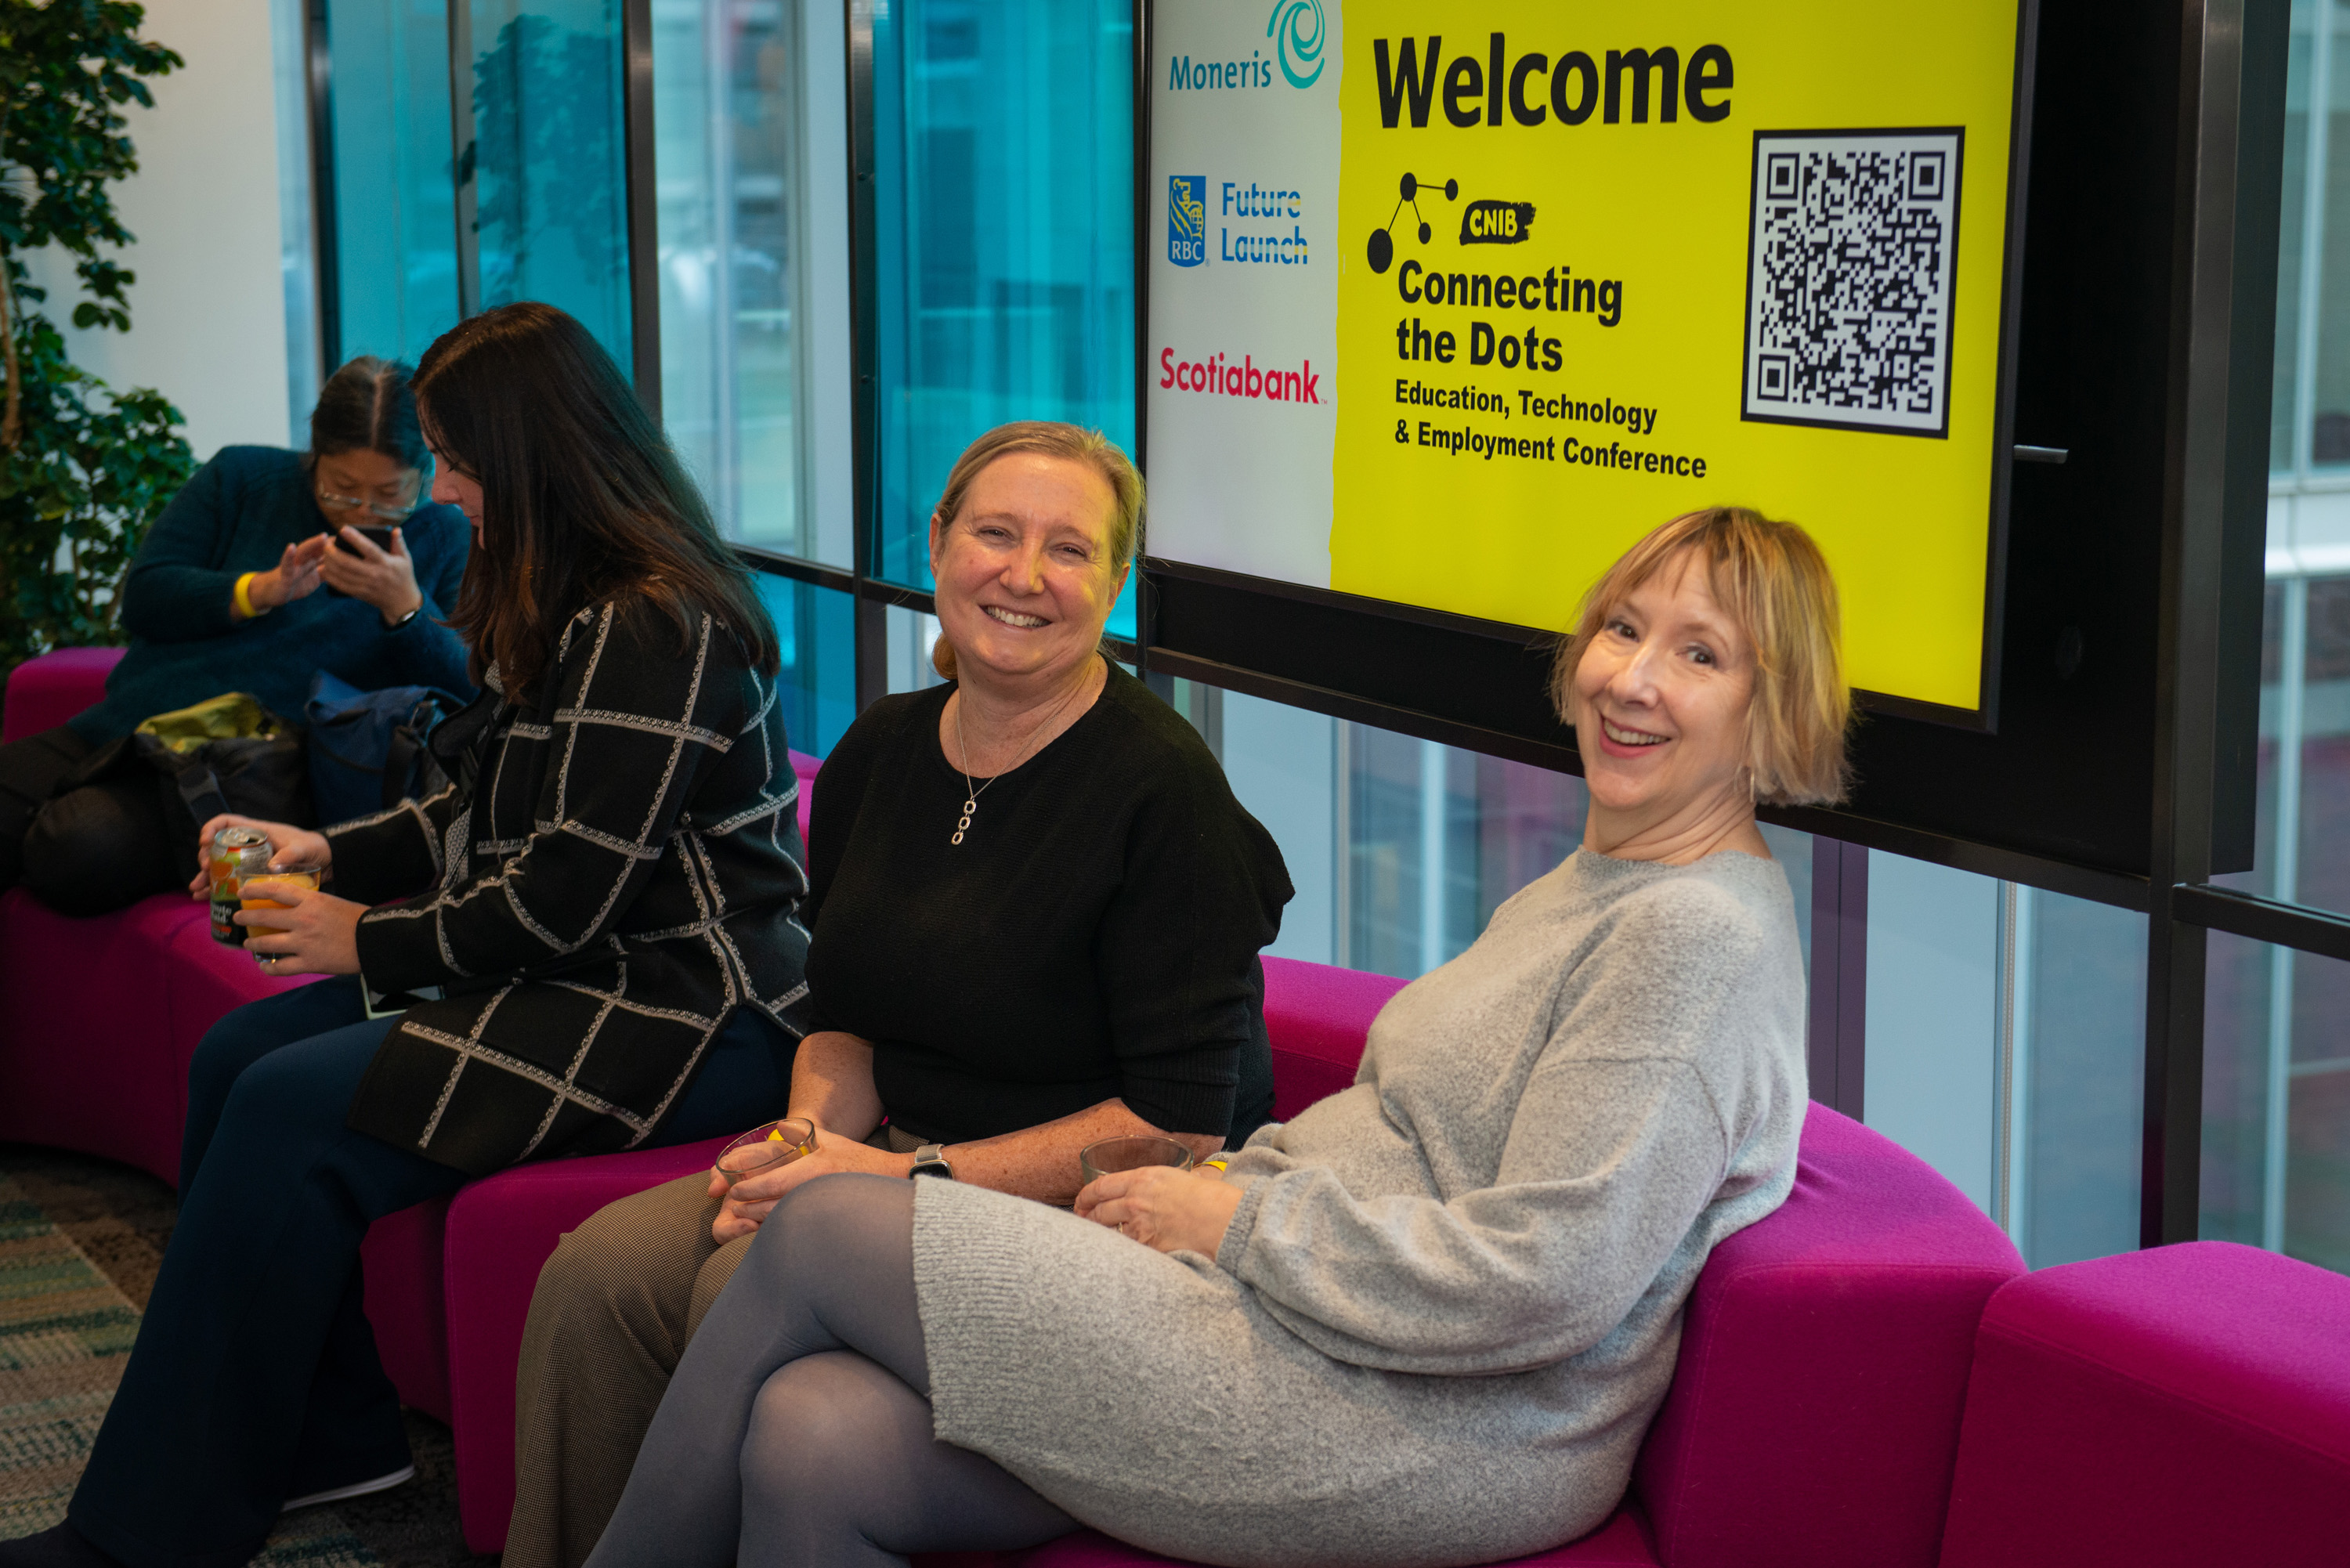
(237, 853)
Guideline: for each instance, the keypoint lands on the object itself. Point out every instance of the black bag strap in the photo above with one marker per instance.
(200, 787)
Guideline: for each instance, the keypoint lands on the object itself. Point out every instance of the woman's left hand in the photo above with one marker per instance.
(317, 933)
(1172, 1211)
(384, 578)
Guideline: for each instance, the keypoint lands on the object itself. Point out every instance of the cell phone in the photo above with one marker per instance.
(377, 534)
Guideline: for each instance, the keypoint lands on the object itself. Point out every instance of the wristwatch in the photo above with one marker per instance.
(931, 1159)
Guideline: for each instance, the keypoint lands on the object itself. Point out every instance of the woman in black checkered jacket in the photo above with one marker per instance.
(598, 926)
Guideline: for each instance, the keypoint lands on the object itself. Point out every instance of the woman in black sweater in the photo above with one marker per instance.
(1036, 911)
(598, 935)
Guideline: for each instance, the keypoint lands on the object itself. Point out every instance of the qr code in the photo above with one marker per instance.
(1853, 240)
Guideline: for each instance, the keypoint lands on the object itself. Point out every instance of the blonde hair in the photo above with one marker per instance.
(1050, 438)
(1774, 583)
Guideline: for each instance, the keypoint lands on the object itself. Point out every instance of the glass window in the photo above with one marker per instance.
(1932, 1025)
(2295, 271)
(1003, 133)
(2301, 829)
(817, 629)
(2022, 1085)
(395, 205)
(2324, 333)
(1437, 839)
(297, 244)
(911, 636)
(2276, 1100)
(546, 171)
(2079, 1077)
(750, 150)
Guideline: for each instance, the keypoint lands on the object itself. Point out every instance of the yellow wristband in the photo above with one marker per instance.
(245, 600)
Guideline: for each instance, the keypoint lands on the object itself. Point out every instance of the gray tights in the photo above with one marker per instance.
(796, 1430)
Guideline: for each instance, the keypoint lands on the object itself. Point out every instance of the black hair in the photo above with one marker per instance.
(582, 499)
(367, 406)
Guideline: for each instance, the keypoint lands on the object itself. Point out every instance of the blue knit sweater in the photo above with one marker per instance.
(237, 516)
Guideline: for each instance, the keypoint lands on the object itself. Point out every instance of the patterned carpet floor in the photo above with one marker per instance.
(80, 1239)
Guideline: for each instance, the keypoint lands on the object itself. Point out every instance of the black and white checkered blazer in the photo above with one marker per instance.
(616, 869)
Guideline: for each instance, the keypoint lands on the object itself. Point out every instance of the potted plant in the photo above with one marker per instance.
(83, 469)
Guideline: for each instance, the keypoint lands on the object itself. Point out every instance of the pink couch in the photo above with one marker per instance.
(2186, 1406)
(1823, 1400)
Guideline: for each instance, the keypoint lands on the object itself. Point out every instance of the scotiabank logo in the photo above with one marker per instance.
(1217, 375)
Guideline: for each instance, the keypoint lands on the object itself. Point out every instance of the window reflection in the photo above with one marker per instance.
(752, 263)
(1006, 265)
(2276, 1101)
(817, 629)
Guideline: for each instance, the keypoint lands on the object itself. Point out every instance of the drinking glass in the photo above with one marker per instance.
(1098, 1160)
(247, 897)
(764, 1147)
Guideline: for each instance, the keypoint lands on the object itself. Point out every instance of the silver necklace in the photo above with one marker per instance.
(970, 796)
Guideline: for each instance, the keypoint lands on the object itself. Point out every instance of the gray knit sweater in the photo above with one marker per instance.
(1450, 1302)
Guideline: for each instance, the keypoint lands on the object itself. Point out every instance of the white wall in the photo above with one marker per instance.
(207, 312)
(1932, 1020)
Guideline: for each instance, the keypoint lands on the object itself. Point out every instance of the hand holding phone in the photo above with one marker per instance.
(372, 563)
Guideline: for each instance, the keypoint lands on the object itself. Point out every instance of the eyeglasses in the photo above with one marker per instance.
(374, 508)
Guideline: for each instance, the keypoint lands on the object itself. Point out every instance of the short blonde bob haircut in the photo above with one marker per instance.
(1774, 583)
(1052, 438)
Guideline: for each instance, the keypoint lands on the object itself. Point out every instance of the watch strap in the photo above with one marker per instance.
(931, 1159)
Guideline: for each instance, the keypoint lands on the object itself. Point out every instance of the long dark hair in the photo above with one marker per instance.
(582, 499)
(367, 406)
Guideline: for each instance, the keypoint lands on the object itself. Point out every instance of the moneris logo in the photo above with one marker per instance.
(1218, 376)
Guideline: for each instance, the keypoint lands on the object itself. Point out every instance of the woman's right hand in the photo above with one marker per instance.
(291, 848)
(294, 576)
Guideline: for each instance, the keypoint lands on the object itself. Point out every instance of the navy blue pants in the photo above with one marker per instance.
(255, 1378)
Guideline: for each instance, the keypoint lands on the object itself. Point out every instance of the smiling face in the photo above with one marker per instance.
(1661, 699)
(1024, 580)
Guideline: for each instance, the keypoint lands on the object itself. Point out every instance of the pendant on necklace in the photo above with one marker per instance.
(964, 826)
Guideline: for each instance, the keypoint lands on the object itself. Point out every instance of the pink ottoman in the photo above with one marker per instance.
(45, 692)
(2185, 1406)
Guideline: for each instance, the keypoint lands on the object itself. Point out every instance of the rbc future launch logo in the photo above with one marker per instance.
(1187, 218)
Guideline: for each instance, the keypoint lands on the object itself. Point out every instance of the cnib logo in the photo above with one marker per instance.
(1187, 218)
(1497, 223)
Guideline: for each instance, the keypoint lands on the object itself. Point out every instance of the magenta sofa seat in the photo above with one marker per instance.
(1814, 1413)
(45, 692)
(1318, 1017)
(2186, 1405)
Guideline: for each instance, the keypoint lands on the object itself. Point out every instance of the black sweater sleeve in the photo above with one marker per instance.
(176, 590)
(1200, 896)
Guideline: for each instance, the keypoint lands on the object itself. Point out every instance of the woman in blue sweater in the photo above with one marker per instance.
(254, 578)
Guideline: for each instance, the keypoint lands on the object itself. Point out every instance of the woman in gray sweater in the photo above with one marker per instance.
(1427, 1322)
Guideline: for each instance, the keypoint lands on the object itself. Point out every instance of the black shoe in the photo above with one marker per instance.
(59, 1546)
